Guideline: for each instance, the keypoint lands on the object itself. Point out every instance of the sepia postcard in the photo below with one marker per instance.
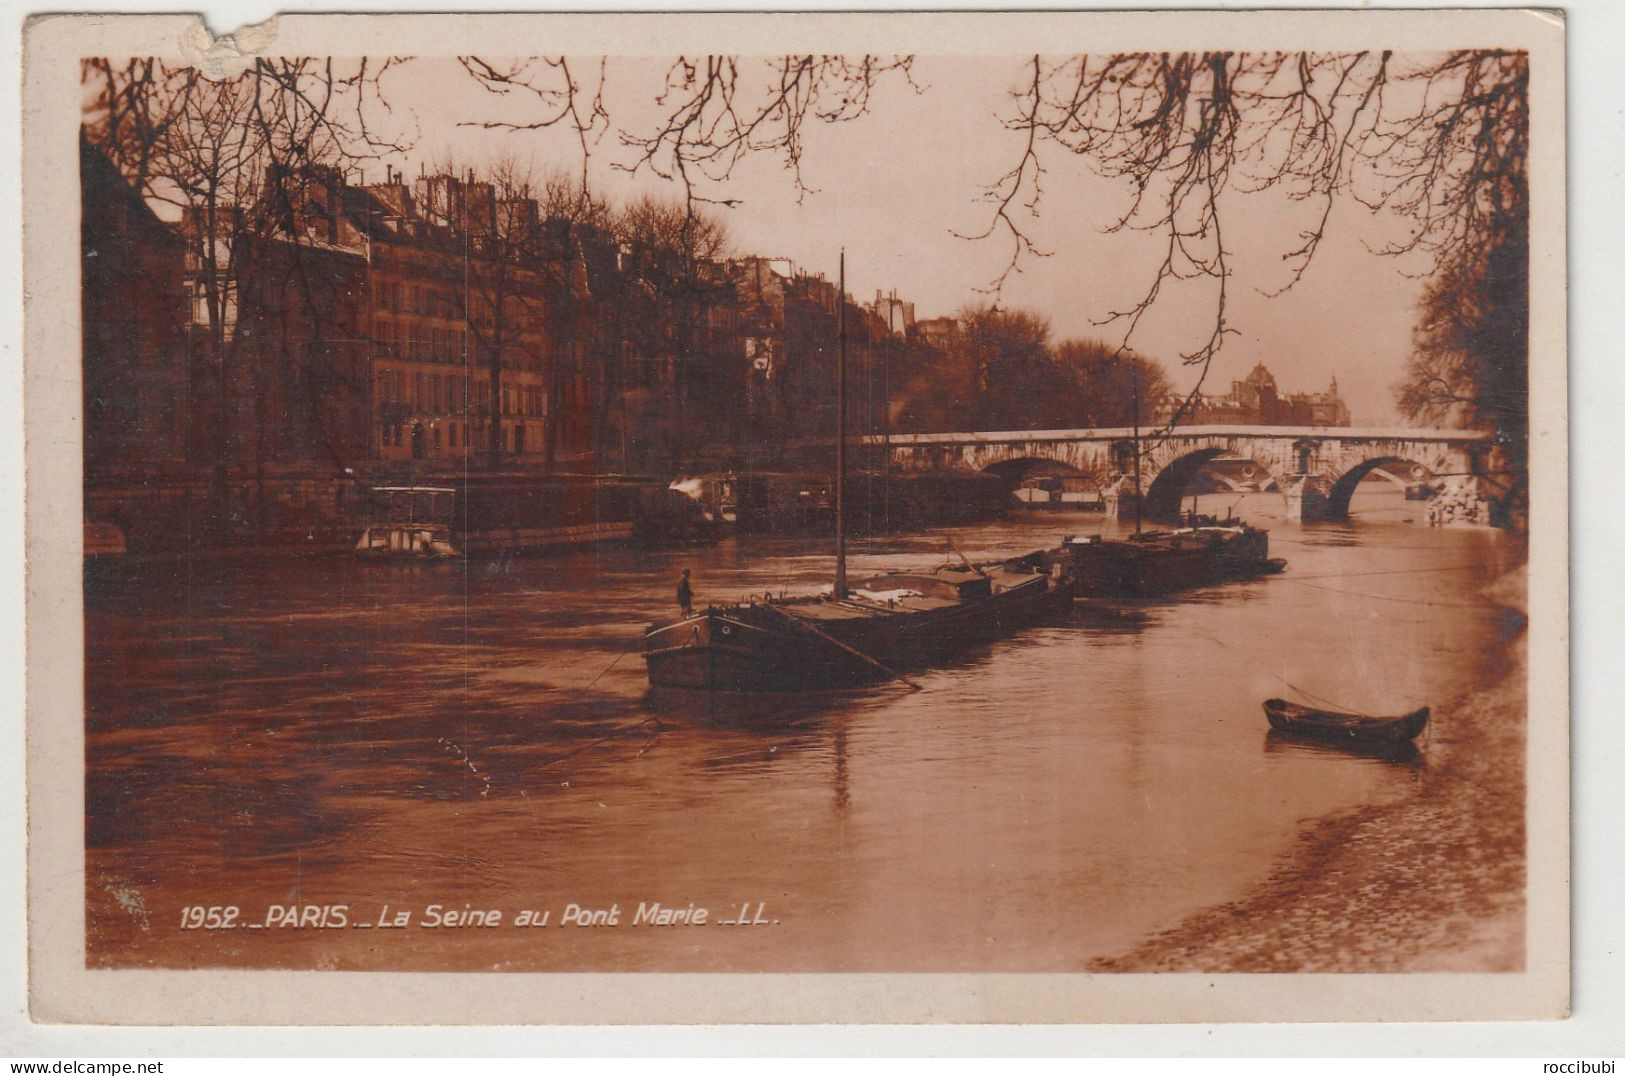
(841, 518)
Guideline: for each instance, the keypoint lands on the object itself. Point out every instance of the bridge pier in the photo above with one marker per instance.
(1119, 498)
(1307, 499)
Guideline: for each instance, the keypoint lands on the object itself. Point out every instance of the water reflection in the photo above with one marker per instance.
(1403, 753)
(1093, 614)
(763, 713)
(370, 734)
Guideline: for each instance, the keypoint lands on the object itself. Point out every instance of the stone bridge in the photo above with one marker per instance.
(1315, 468)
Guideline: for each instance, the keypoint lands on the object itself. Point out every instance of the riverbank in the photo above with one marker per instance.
(1433, 881)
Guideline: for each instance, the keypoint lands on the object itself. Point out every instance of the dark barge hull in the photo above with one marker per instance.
(768, 647)
(1165, 562)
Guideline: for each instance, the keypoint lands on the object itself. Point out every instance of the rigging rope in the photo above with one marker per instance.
(1306, 693)
(601, 740)
(1393, 571)
(606, 669)
(1387, 597)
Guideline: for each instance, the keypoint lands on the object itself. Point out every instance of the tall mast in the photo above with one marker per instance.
(840, 435)
(1135, 372)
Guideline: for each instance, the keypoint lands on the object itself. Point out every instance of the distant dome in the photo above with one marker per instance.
(1260, 376)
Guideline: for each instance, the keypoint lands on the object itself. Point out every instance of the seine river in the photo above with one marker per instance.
(316, 740)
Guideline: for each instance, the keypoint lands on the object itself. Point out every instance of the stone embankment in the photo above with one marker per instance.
(1459, 501)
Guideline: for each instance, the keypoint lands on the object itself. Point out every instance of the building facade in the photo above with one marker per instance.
(143, 394)
(276, 359)
(1256, 401)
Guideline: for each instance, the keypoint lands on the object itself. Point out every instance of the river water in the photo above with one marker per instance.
(264, 734)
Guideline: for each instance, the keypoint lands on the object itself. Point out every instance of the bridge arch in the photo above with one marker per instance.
(1165, 487)
(1018, 469)
(1341, 494)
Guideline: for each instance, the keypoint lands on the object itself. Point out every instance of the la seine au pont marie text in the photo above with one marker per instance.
(437, 916)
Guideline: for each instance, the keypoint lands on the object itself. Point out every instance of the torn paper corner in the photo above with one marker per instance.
(227, 53)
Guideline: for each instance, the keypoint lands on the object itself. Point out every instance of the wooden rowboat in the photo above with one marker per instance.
(1333, 725)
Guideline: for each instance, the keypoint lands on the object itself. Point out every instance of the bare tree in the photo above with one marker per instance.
(1008, 354)
(232, 154)
(1471, 357)
(712, 111)
(485, 231)
(1108, 382)
(1439, 141)
(718, 110)
(582, 227)
(671, 248)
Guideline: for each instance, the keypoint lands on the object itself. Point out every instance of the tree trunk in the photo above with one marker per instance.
(493, 446)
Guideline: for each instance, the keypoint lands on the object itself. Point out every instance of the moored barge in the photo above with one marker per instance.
(881, 624)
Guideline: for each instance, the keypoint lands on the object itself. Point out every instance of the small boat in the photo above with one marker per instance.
(415, 522)
(716, 494)
(1334, 725)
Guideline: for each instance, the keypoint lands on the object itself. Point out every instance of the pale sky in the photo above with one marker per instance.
(894, 186)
